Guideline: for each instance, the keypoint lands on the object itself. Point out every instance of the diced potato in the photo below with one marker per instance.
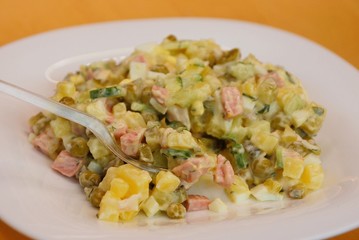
(312, 158)
(119, 110)
(111, 173)
(218, 206)
(65, 89)
(119, 187)
(97, 108)
(138, 180)
(166, 181)
(293, 165)
(181, 140)
(61, 127)
(313, 176)
(127, 215)
(134, 120)
(150, 206)
(265, 141)
(77, 79)
(259, 126)
(97, 149)
(249, 87)
(241, 71)
(272, 185)
(267, 191)
(138, 70)
(238, 191)
(290, 101)
(186, 96)
(109, 210)
(300, 116)
(289, 135)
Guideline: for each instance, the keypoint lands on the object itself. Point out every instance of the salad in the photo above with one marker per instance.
(192, 108)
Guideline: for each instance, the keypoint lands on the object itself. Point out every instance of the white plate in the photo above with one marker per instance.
(44, 205)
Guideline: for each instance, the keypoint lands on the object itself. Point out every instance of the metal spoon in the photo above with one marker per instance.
(90, 122)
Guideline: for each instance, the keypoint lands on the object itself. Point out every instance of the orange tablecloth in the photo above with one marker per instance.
(331, 23)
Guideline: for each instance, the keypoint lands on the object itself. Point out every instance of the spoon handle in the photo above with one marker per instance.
(88, 121)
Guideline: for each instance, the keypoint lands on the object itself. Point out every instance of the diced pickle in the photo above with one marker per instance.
(297, 191)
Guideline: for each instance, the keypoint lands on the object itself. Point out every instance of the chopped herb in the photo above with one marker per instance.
(265, 109)
(175, 125)
(301, 133)
(183, 154)
(107, 92)
(198, 64)
(179, 80)
(198, 78)
(289, 77)
(249, 96)
(240, 156)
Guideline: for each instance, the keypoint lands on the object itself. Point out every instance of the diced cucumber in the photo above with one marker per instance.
(177, 153)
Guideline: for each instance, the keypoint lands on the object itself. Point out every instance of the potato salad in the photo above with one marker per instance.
(195, 110)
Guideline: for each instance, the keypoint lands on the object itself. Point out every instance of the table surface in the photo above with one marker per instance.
(331, 23)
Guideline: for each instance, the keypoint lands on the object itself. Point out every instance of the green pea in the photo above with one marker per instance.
(78, 147)
(96, 196)
(176, 211)
(89, 179)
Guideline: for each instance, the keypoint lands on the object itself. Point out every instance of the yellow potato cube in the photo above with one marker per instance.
(119, 187)
(97, 149)
(272, 185)
(259, 126)
(166, 181)
(218, 206)
(109, 210)
(181, 140)
(111, 173)
(119, 110)
(97, 108)
(137, 179)
(134, 120)
(150, 206)
(289, 135)
(238, 191)
(77, 79)
(128, 215)
(267, 191)
(265, 141)
(65, 89)
(61, 127)
(293, 166)
(312, 176)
